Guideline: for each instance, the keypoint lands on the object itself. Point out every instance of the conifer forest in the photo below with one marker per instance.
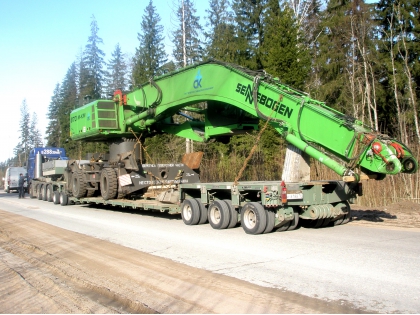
(362, 59)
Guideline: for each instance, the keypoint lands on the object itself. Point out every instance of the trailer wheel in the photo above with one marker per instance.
(295, 222)
(233, 214)
(339, 221)
(108, 183)
(219, 215)
(190, 212)
(56, 197)
(78, 184)
(326, 222)
(253, 218)
(270, 221)
(319, 223)
(50, 193)
(284, 227)
(203, 212)
(64, 199)
(347, 218)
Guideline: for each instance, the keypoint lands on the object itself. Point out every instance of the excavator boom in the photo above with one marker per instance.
(236, 99)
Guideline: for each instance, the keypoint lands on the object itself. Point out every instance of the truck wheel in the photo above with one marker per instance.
(56, 197)
(50, 193)
(64, 199)
(108, 183)
(253, 218)
(233, 214)
(203, 212)
(219, 215)
(44, 192)
(190, 212)
(78, 184)
(8, 190)
(270, 221)
(39, 191)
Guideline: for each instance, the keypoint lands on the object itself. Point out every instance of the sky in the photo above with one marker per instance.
(40, 39)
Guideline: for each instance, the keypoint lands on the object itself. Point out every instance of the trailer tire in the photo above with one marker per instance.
(108, 183)
(339, 221)
(219, 214)
(56, 197)
(347, 218)
(284, 227)
(50, 192)
(203, 212)
(190, 212)
(78, 184)
(319, 223)
(253, 218)
(270, 221)
(295, 222)
(233, 214)
(64, 199)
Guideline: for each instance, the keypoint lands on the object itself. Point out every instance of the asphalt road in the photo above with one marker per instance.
(373, 269)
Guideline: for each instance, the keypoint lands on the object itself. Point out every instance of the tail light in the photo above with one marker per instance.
(283, 192)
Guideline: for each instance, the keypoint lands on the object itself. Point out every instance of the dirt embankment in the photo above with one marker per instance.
(45, 269)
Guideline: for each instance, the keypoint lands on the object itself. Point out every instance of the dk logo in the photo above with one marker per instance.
(197, 81)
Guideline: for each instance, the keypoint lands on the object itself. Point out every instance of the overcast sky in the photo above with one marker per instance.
(41, 38)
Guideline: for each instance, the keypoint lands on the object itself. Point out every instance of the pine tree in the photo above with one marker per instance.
(221, 40)
(23, 147)
(68, 101)
(284, 53)
(53, 131)
(150, 55)
(334, 53)
(92, 73)
(35, 138)
(117, 72)
(186, 37)
(249, 19)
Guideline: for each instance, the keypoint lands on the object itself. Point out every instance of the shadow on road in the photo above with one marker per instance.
(372, 215)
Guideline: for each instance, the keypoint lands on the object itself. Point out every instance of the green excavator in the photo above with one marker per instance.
(236, 99)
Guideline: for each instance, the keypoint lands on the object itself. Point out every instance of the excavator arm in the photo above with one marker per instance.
(235, 100)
